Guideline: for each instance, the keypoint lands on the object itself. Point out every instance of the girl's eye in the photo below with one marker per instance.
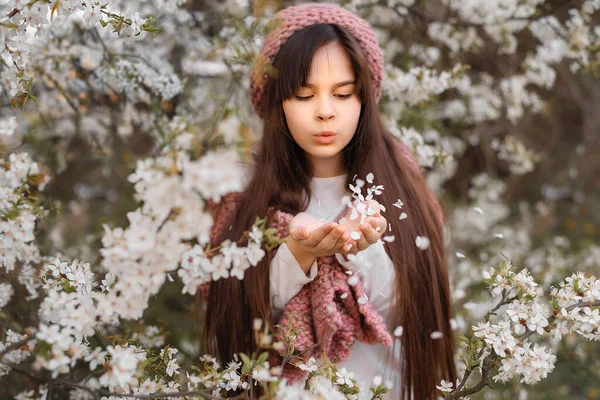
(340, 96)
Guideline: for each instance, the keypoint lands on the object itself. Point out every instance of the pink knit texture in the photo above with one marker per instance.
(297, 17)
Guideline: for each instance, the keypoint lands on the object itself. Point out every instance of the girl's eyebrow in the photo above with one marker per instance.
(344, 83)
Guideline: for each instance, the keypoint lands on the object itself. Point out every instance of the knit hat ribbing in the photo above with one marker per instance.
(297, 17)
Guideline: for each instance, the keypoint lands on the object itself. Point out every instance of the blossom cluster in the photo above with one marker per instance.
(173, 189)
(19, 175)
(36, 26)
(574, 300)
(419, 84)
(574, 307)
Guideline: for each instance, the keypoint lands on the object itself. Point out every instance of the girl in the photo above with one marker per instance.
(316, 86)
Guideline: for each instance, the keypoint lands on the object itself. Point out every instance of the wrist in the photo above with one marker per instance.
(304, 259)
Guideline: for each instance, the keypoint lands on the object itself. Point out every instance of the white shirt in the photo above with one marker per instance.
(372, 265)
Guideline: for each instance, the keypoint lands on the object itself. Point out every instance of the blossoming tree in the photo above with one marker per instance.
(121, 120)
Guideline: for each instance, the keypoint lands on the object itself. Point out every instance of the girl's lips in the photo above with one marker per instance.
(322, 139)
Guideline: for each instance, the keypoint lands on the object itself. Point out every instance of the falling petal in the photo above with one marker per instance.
(403, 216)
(389, 238)
(355, 235)
(499, 235)
(398, 203)
(422, 242)
(399, 331)
(343, 295)
(479, 210)
(370, 177)
(353, 280)
(453, 324)
(361, 207)
(436, 335)
(460, 255)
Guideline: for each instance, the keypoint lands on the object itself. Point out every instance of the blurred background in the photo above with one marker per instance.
(500, 106)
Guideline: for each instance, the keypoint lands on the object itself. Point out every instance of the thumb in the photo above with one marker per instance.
(374, 205)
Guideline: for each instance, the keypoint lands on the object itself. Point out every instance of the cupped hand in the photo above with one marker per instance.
(319, 238)
(368, 232)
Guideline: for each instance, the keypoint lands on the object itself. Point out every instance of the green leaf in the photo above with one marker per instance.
(245, 359)
(263, 357)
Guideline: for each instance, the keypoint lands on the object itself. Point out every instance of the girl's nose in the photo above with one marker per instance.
(325, 111)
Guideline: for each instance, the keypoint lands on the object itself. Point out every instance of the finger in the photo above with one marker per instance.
(370, 234)
(319, 234)
(374, 228)
(339, 245)
(329, 241)
(362, 243)
(351, 250)
(378, 222)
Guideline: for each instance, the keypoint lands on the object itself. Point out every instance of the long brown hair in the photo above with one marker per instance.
(282, 179)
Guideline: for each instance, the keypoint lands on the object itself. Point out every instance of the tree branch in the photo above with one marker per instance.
(14, 346)
(489, 360)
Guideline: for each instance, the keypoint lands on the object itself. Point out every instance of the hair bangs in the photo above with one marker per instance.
(293, 62)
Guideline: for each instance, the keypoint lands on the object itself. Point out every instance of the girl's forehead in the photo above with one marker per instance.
(330, 65)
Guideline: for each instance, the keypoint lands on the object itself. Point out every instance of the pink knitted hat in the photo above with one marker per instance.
(297, 17)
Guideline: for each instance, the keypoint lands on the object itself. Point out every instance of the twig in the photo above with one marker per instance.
(62, 91)
(489, 360)
(487, 318)
(14, 346)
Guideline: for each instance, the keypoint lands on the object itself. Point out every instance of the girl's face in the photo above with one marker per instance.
(328, 103)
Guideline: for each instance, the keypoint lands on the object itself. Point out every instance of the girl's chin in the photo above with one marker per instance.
(323, 151)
